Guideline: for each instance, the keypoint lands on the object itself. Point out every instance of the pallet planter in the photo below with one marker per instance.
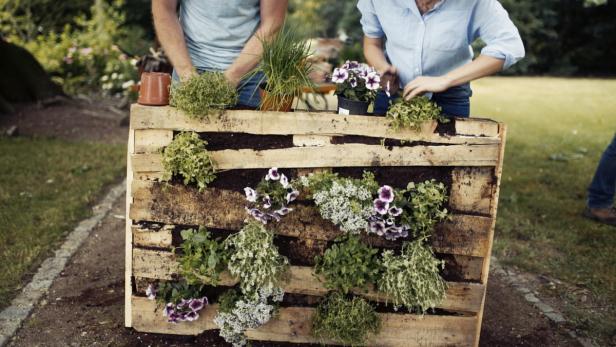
(465, 154)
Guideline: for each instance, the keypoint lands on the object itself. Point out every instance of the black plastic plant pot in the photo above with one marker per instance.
(347, 106)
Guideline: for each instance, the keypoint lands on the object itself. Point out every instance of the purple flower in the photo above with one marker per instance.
(381, 207)
(191, 316)
(353, 82)
(395, 211)
(350, 65)
(197, 304)
(151, 292)
(393, 233)
(255, 213)
(386, 193)
(340, 75)
(377, 227)
(251, 194)
(390, 221)
(283, 211)
(175, 317)
(274, 216)
(373, 81)
(267, 202)
(272, 174)
(292, 196)
(284, 181)
(169, 309)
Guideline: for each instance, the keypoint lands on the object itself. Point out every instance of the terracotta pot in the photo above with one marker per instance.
(154, 89)
(280, 104)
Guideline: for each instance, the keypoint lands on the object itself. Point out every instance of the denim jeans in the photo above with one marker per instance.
(455, 102)
(603, 187)
(247, 90)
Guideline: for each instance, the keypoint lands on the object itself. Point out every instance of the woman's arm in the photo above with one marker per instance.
(272, 18)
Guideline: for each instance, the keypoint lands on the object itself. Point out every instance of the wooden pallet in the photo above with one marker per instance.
(466, 154)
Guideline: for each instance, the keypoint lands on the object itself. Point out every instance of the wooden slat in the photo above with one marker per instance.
(465, 297)
(477, 127)
(294, 324)
(472, 189)
(128, 236)
(346, 155)
(224, 209)
(152, 140)
(297, 123)
(147, 238)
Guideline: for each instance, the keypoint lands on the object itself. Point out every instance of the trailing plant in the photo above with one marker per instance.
(348, 264)
(203, 258)
(187, 156)
(182, 301)
(238, 313)
(412, 278)
(271, 198)
(254, 258)
(348, 321)
(203, 95)
(285, 66)
(413, 113)
(356, 81)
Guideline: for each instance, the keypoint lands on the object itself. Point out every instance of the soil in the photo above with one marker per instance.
(85, 306)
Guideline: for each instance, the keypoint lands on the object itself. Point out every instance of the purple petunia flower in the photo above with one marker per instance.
(191, 316)
(377, 227)
(353, 82)
(395, 211)
(169, 310)
(386, 193)
(254, 213)
(283, 211)
(284, 181)
(340, 75)
(267, 202)
(381, 207)
(197, 304)
(274, 216)
(373, 81)
(251, 194)
(390, 221)
(292, 196)
(273, 174)
(151, 292)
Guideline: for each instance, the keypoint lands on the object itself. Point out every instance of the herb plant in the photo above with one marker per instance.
(182, 301)
(412, 114)
(412, 278)
(203, 94)
(203, 259)
(356, 81)
(187, 156)
(254, 258)
(348, 321)
(348, 264)
(269, 201)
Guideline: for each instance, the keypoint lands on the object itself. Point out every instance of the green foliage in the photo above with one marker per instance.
(227, 300)
(174, 292)
(348, 321)
(412, 278)
(285, 66)
(348, 264)
(187, 156)
(412, 114)
(203, 95)
(254, 258)
(423, 206)
(203, 259)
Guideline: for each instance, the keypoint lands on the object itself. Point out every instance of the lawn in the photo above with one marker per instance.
(46, 187)
(557, 130)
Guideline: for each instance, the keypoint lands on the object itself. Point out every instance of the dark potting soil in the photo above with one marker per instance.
(221, 141)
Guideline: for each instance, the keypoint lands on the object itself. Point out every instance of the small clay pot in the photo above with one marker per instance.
(354, 107)
(154, 89)
(279, 104)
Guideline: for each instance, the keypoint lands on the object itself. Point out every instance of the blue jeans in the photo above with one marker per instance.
(247, 90)
(455, 102)
(603, 187)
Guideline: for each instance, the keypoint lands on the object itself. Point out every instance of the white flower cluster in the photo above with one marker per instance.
(247, 314)
(347, 205)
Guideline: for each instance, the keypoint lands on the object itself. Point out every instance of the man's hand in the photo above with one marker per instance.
(187, 73)
(425, 84)
(390, 82)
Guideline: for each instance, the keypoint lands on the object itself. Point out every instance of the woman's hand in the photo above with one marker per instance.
(425, 84)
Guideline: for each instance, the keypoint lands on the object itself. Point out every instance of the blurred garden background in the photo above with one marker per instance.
(68, 74)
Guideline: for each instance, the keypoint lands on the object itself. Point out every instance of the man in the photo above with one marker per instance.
(215, 35)
(602, 189)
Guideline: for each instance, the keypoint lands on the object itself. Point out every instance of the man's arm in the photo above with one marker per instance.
(171, 37)
(375, 56)
(272, 18)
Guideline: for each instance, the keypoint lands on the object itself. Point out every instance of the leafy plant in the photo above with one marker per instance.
(269, 201)
(187, 156)
(254, 258)
(412, 278)
(203, 259)
(348, 264)
(412, 114)
(356, 81)
(285, 66)
(182, 301)
(348, 321)
(202, 95)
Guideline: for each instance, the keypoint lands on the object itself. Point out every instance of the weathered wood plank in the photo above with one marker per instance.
(465, 297)
(477, 127)
(128, 236)
(147, 238)
(224, 209)
(298, 123)
(472, 189)
(152, 140)
(346, 155)
(294, 324)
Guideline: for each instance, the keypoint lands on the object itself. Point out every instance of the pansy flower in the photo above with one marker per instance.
(381, 207)
(340, 75)
(251, 194)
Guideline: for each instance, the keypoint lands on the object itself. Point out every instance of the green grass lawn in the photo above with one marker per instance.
(557, 130)
(46, 187)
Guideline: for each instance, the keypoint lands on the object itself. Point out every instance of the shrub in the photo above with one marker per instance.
(202, 95)
(348, 264)
(254, 258)
(412, 278)
(412, 114)
(187, 156)
(348, 321)
(203, 259)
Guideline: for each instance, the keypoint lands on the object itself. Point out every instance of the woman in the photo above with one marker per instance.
(427, 46)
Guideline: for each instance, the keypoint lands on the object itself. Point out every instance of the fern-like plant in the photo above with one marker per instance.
(188, 157)
(412, 114)
(203, 95)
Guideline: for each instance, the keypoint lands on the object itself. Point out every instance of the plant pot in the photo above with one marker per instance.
(279, 103)
(154, 89)
(348, 106)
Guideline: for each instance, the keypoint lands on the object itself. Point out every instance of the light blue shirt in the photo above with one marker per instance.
(216, 31)
(439, 41)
